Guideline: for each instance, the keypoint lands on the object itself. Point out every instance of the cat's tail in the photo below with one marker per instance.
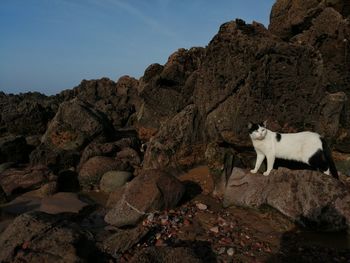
(329, 159)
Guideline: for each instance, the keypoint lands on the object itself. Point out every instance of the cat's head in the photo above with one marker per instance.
(257, 131)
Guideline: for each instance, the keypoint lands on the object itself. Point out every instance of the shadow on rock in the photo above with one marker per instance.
(192, 189)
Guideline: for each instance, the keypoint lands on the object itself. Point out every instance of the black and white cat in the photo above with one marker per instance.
(307, 147)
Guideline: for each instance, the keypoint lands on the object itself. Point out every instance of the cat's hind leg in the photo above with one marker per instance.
(259, 159)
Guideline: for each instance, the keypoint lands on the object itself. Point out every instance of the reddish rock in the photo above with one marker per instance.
(25, 179)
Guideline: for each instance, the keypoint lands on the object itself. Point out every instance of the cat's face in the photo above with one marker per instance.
(257, 131)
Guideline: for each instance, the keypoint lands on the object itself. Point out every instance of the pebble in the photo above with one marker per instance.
(201, 206)
(230, 251)
(214, 229)
(221, 250)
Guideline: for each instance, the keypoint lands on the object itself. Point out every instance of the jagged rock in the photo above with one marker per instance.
(168, 254)
(114, 179)
(14, 149)
(177, 143)
(26, 114)
(91, 172)
(75, 125)
(118, 101)
(149, 191)
(309, 197)
(123, 240)
(19, 180)
(38, 237)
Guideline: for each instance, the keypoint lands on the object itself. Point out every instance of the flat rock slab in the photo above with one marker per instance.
(21, 204)
(62, 203)
(308, 197)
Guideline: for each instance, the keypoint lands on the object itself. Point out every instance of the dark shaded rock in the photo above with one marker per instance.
(167, 255)
(14, 149)
(21, 204)
(15, 180)
(26, 114)
(149, 191)
(115, 196)
(55, 158)
(3, 198)
(295, 194)
(166, 90)
(75, 125)
(67, 181)
(129, 156)
(118, 101)
(178, 142)
(123, 240)
(91, 172)
(38, 237)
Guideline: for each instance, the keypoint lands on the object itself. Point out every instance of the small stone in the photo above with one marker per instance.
(230, 251)
(160, 243)
(221, 250)
(201, 206)
(214, 229)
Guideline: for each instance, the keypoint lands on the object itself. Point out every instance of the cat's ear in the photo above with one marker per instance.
(265, 123)
(250, 125)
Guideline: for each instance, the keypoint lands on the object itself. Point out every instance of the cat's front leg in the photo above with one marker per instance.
(270, 161)
(259, 159)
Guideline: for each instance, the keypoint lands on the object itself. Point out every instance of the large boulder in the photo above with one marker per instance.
(308, 197)
(75, 125)
(150, 191)
(38, 237)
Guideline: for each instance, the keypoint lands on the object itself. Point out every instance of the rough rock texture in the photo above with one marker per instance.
(14, 149)
(309, 197)
(26, 114)
(19, 180)
(167, 255)
(150, 191)
(75, 125)
(37, 237)
(62, 203)
(91, 172)
(118, 100)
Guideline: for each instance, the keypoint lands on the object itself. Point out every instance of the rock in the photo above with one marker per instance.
(167, 254)
(295, 194)
(129, 156)
(176, 144)
(115, 196)
(21, 204)
(114, 179)
(75, 124)
(62, 203)
(91, 172)
(5, 166)
(26, 114)
(201, 206)
(14, 149)
(20, 180)
(3, 198)
(124, 239)
(38, 237)
(67, 181)
(150, 191)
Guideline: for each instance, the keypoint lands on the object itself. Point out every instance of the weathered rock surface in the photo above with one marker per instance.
(114, 179)
(14, 149)
(308, 197)
(38, 237)
(25, 179)
(91, 172)
(167, 255)
(150, 191)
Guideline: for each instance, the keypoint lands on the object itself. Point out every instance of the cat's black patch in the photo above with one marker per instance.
(254, 127)
(278, 136)
(329, 159)
(318, 161)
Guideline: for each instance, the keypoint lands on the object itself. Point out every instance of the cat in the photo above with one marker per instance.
(307, 147)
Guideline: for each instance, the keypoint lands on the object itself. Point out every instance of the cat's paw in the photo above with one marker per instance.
(266, 173)
(253, 171)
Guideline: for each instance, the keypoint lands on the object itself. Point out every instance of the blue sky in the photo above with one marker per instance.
(51, 45)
